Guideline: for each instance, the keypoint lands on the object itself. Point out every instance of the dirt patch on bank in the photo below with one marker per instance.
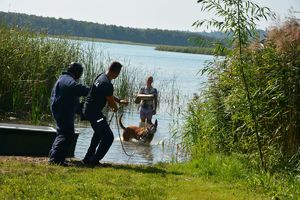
(71, 162)
(37, 160)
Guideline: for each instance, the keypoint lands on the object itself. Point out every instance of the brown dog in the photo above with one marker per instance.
(144, 134)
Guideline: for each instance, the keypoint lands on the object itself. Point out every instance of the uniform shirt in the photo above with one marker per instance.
(65, 97)
(146, 90)
(96, 99)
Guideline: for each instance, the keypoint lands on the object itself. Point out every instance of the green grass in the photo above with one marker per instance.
(211, 176)
(182, 49)
(27, 180)
(238, 169)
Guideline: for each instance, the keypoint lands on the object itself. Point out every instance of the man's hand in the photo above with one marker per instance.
(124, 102)
(115, 109)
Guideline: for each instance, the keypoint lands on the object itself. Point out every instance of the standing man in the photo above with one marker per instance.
(101, 92)
(148, 107)
(64, 102)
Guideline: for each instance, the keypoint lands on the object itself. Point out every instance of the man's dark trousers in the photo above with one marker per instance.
(102, 138)
(64, 138)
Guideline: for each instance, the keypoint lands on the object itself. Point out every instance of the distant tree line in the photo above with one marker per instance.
(72, 27)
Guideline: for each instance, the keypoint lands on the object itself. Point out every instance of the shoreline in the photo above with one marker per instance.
(157, 47)
(88, 39)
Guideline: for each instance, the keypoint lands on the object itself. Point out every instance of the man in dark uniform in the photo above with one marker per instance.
(101, 92)
(64, 102)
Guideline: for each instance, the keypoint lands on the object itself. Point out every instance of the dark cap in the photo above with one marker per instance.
(76, 69)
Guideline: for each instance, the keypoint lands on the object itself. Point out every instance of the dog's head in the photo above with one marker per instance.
(149, 133)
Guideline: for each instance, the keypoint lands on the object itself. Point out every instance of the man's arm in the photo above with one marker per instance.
(117, 99)
(112, 103)
(80, 90)
(121, 101)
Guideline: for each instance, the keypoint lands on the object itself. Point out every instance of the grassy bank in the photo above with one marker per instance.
(213, 176)
(193, 50)
(181, 49)
(35, 179)
(102, 40)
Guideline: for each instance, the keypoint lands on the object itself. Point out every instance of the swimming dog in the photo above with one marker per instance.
(144, 134)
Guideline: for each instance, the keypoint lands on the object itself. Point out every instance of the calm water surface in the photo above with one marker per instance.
(173, 73)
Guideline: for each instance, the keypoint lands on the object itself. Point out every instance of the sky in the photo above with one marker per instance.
(161, 14)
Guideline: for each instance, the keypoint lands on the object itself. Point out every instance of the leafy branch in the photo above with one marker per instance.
(239, 18)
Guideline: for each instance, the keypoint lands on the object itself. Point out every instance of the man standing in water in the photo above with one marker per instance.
(64, 102)
(148, 107)
(101, 92)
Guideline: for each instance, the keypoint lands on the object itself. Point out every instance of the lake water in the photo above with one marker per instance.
(173, 73)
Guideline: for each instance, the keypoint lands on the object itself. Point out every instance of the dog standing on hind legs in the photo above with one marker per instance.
(144, 134)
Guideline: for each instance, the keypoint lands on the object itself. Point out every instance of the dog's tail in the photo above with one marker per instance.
(120, 122)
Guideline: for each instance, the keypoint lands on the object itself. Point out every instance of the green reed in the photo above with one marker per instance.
(185, 49)
(220, 121)
(30, 65)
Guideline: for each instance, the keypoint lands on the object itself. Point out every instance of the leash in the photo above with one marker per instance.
(118, 127)
(111, 119)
